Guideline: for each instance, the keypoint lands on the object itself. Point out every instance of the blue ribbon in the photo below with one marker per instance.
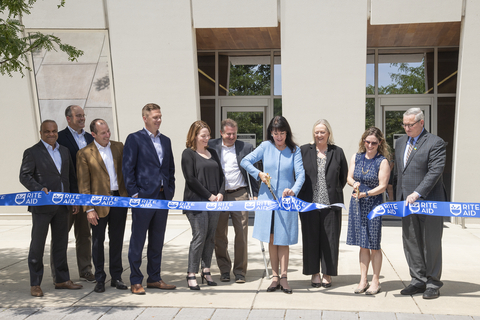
(39, 198)
(432, 208)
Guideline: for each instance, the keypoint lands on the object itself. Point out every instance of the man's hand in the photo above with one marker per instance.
(411, 198)
(92, 217)
(75, 209)
(45, 190)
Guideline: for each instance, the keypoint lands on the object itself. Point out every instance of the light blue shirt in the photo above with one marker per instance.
(156, 143)
(79, 138)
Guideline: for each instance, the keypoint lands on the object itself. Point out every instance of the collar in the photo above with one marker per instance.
(75, 132)
(99, 147)
(224, 146)
(49, 147)
(151, 135)
(415, 139)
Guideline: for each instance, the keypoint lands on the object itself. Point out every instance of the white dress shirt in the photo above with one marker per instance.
(106, 153)
(233, 176)
(79, 138)
(55, 154)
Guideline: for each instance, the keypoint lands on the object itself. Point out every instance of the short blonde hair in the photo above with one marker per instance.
(149, 107)
(193, 132)
(329, 129)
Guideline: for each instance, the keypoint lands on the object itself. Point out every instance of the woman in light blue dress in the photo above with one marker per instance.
(282, 160)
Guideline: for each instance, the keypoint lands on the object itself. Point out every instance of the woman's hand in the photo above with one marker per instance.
(219, 197)
(356, 184)
(212, 198)
(263, 177)
(360, 195)
(288, 192)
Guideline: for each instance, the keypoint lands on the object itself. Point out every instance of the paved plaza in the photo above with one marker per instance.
(460, 295)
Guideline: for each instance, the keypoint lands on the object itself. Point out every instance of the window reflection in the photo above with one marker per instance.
(402, 73)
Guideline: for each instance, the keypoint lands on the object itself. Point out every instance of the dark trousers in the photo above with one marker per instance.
(204, 224)
(240, 225)
(153, 221)
(422, 243)
(115, 220)
(321, 240)
(58, 220)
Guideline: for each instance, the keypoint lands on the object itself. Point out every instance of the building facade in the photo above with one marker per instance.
(353, 62)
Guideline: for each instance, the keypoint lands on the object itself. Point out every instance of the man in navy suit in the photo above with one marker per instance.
(231, 152)
(148, 170)
(75, 138)
(47, 166)
(420, 160)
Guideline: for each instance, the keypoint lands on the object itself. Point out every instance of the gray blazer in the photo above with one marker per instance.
(38, 171)
(424, 168)
(241, 149)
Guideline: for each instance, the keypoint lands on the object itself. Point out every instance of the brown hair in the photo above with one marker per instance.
(149, 107)
(228, 123)
(383, 147)
(193, 132)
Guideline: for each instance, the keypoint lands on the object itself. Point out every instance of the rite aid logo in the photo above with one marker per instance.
(455, 209)
(95, 200)
(286, 203)
(172, 204)
(250, 205)
(20, 198)
(211, 205)
(57, 198)
(379, 210)
(134, 202)
(414, 207)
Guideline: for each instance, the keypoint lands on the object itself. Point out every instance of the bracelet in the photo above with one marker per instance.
(366, 193)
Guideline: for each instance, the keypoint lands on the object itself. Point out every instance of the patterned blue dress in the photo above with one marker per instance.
(361, 231)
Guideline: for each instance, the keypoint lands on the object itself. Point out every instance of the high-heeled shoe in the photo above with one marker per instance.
(210, 283)
(285, 290)
(192, 287)
(277, 287)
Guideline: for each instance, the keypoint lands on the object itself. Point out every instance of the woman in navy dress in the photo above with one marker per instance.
(368, 175)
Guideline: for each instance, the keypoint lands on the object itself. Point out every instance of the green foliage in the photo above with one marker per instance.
(249, 122)
(249, 80)
(14, 47)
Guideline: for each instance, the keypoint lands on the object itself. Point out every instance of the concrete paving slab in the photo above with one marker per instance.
(451, 317)
(90, 313)
(51, 313)
(122, 313)
(303, 314)
(377, 316)
(231, 314)
(339, 315)
(267, 314)
(414, 316)
(17, 313)
(194, 314)
(158, 313)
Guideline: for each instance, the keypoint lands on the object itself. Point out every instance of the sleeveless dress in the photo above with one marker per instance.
(361, 231)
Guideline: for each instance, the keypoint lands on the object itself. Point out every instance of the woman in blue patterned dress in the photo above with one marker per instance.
(368, 175)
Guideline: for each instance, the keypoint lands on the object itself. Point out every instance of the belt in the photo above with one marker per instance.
(238, 189)
(115, 193)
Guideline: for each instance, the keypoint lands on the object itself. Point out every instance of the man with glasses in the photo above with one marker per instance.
(75, 138)
(419, 160)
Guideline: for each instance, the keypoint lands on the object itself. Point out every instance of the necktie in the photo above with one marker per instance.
(410, 148)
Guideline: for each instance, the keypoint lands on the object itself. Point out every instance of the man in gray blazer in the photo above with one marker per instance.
(231, 152)
(47, 166)
(420, 160)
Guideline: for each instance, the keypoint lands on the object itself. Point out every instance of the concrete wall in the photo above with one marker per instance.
(232, 14)
(467, 145)
(415, 11)
(155, 61)
(323, 74)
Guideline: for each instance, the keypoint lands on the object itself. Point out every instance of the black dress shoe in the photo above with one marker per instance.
(411, 290)
(99, 287)
(431, 293)
(225, 277)
(118, 284)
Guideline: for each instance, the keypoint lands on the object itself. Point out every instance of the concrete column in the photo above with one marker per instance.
(466, 150)
(154, 59)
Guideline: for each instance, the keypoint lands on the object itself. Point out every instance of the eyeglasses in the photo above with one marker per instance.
(407, 125)
(373, 143)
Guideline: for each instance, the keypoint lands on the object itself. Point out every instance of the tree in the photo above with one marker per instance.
(14, 46)
(249, 80)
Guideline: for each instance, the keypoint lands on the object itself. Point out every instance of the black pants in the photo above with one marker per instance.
(58, 220)
(115, 220)
(321, 240)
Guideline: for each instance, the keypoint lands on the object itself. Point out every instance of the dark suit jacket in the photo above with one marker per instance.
(39, 171)
(336, 171)
(142, 171)
(66, 139)
(424, 168)
(241, 149)
(92, 174)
